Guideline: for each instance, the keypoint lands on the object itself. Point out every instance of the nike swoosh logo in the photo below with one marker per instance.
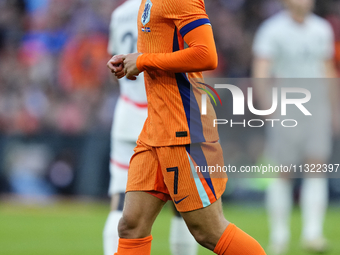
(177, 202)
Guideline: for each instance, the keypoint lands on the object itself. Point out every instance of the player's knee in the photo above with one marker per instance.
(203, 237)
(131, 226)
(127, 224)
(204, 240)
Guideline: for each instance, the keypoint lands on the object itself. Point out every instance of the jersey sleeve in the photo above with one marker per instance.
(199, 56)
(187, 15)
(264, 45)
(111, 45)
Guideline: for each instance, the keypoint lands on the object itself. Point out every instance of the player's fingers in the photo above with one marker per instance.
(133, 78)
(115, 64)
(111, 66)
(121, 73)
(120, 76)
(119, 68)
(126, 70)
(115, 68)
(116, 59)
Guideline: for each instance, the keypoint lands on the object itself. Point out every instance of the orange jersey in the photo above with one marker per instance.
(174, 103)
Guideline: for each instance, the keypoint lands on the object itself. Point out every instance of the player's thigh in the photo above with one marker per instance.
(141, 208)
(139, 214)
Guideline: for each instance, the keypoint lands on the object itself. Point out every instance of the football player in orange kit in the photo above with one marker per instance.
(175, 137)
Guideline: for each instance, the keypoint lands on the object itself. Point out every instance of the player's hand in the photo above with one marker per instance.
(130, 66)
(116, 65)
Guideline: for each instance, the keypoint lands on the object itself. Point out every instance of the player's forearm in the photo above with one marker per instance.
(330, 69)
(261, 68)
(262, 89)
(199, 56)
(331, 74)
(188, 60)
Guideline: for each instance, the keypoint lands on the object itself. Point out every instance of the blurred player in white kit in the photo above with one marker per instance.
(295, 43)
(129, 117)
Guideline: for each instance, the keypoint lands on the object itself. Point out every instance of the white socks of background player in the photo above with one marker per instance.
(181, 240)
(110, 234)
(313, 201)
(279, 201)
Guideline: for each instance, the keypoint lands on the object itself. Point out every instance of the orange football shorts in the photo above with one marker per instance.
(179, 173)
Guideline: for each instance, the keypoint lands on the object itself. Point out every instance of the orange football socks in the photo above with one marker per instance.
(236, 242)
(141, 246)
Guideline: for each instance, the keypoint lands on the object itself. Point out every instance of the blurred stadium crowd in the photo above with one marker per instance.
(56, 94)
(52, 66)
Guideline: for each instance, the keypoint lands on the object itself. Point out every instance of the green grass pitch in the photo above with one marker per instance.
(75, 228)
